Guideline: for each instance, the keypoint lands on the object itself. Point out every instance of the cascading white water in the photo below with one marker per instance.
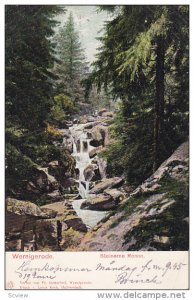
(81, 149)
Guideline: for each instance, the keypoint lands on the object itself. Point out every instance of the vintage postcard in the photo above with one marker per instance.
(96, 147)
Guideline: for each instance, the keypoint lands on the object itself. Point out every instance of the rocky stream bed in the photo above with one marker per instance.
(98, 213)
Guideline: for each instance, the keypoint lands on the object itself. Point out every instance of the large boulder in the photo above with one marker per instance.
(67, 141)
(101, 111)
(93, 152)
(75, 223)
(20, 207)
(44, 180)
(27, 208)
(91, 173)
(107, 114)
(21, 215)
(100, 202)
(54, 196)
(47, 232)
(106, 184)
(99, 136)
(49, 213)
(91, 119)
(176, 166)
(115, 194)
(102, 164)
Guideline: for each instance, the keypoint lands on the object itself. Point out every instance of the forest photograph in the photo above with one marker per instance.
(96, 128)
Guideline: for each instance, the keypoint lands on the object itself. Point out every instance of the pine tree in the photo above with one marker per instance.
(29, 57)
(142, 50)
(71, 66)
(29, 93)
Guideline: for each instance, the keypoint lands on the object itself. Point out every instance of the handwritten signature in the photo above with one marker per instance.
(149, 267)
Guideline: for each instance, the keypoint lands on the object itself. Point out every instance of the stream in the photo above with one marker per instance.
(89, 217)
(81, 150)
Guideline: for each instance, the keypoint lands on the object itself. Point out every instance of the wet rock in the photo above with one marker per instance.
(89, 125)
(75, 121)
(68, 144)
(115, 194)
(106, 184)
(69, 123)
(92, 153)
(102, 164)
(100, 202)
(99, 135)
(89, 172)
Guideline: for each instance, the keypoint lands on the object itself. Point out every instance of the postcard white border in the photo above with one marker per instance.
(84, 294)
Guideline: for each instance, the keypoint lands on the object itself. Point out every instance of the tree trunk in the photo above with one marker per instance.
(159, 101)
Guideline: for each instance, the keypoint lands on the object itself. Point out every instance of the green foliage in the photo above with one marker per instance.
(19, 167)
(29, 56)
(144, 61)
(29, 95)
(98, 99)
(170, 223)
(62, 109)
(71, 64)
(71, 238)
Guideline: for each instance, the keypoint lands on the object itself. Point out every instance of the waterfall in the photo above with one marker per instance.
(81, 149)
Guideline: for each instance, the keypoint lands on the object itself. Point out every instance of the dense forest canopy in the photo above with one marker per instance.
(29, 87)
(143, 61)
